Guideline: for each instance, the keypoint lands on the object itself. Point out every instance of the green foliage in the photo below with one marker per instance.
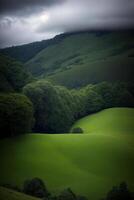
(56, 107)
(77, 130)
(53, 107)
(16, 114)
(120, 192)
(104, 89)
(13, 76)
(36, 188)
(94, 101)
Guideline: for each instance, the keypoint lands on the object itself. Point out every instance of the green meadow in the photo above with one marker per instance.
(89, 163)
(112, 121)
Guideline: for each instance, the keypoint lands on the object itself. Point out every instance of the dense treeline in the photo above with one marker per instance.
(16, 110)
(16, 114)
(56, 107)
(13, 76)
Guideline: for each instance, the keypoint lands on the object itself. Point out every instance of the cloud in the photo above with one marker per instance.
(90, 14)
(25, 6)
(31, 20)
(16, 31)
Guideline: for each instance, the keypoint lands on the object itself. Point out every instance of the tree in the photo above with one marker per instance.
(105, 90)
(36, 188)
(13, 75)
(94, 102)
(16, 114)
(53, 107)
(120, 192)
(123, 97)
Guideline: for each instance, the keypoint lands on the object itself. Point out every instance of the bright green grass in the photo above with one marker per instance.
(88, 163)
(6, 194)
(110, 121)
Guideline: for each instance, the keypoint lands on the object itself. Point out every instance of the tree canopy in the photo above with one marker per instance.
(16, 114)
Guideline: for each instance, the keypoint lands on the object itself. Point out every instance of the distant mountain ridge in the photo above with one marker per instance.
(25, 52)
(83, 58)
(79, 58)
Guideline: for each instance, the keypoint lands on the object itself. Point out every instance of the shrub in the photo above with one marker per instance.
(77, 130)
(36, 188)
(120, 192)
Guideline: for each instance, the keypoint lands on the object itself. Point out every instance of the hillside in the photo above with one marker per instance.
(82, 58)
(113, 121)
(88, 163)
(7, 194)
(26, 52)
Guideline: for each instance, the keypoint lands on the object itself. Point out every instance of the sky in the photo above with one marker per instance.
(25, 21)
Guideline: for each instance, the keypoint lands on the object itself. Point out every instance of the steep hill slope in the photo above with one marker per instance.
(88, 163)
(7, 194)
(82, 58)
(26, 52)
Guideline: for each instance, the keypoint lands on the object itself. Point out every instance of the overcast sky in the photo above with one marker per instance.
(24, 21)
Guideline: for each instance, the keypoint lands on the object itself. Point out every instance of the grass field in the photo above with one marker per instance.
(88, 163)
(112, 121)
(7, 194)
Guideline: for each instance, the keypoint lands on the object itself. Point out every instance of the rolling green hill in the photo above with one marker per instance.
(82, 58)
(7, 194)
(88, 163)
(111, 121)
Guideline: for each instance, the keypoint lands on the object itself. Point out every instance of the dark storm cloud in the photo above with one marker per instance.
(91, 14)
(23, 21)
(11, 6)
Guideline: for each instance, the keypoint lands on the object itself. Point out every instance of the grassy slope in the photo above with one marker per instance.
(112, 121)
(86, 58)
(7, 194)
(88, 163)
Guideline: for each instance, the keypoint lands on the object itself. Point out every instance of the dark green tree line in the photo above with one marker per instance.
(56, 107)
(16, 114)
